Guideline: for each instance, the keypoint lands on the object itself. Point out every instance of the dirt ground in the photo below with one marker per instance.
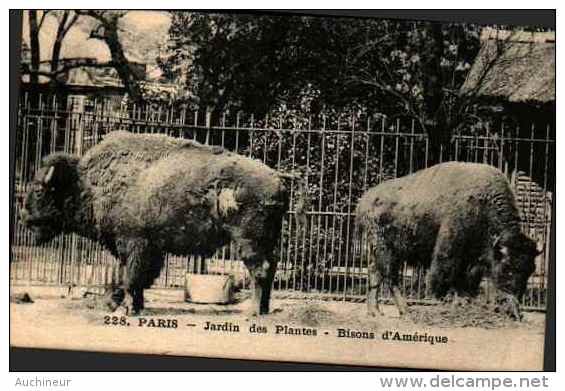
(308, 331)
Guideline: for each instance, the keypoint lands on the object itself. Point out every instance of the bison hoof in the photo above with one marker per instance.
(255, 313)
(112, 306)
(127, 310)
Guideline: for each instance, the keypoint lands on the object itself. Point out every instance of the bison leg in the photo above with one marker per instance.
(115, 298)
(143, 266)
(375, 280)
(138, 301)
(447, 258)
(399, 300)
(373, 306)
(262, 276)
(385, 268)
(116, 293)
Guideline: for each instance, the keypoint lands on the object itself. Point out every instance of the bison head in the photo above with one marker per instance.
(514, 264)
(48, 199)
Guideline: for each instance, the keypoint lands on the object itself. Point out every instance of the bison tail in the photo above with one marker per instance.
(302, 203)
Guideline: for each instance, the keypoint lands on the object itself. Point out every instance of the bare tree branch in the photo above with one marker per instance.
(73, 20)
(107, 32)
(58, 41)
(412, 111)
(45, 12)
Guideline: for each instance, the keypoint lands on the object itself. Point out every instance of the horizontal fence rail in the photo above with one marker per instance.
(339, 156)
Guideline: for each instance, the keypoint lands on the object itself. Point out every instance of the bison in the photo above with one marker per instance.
(143, 196)
(460, 220)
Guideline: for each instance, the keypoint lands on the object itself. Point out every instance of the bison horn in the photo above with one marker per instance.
(496, 241)
(502, 249)
(49, 175)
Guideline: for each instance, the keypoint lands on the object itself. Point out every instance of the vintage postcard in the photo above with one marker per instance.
(363, 191)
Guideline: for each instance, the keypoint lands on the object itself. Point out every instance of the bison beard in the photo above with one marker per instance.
(143, 196)
(459, 220)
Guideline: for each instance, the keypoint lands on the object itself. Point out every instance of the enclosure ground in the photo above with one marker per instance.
(78, 324)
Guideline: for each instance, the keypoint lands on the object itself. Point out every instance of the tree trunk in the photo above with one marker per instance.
(437, 127)
(107, 31)
(123, 67)
(34, 46)
(440, 141)
(58, 43)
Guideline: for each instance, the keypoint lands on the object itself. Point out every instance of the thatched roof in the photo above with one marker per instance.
(514, 66)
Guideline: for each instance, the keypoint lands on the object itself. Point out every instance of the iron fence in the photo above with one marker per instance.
(339, 156)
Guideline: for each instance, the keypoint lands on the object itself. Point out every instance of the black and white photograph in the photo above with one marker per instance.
(352, 190)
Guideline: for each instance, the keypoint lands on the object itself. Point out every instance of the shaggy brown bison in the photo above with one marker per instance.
(143, 196)
(460, 220)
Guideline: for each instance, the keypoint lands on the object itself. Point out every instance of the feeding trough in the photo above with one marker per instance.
(209, 288)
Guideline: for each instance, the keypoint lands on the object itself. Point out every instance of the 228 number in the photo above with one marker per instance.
(115, 320)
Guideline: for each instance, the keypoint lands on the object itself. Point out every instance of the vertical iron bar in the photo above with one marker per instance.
(335, 204)
(265, 138)
(412, 146)
(251, 134)
(307, 174)
(381, 156)
(396, 145)
(367, 139)
(348, 257)
(320, 194)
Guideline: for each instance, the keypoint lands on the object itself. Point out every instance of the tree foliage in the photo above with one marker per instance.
(263, 62)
